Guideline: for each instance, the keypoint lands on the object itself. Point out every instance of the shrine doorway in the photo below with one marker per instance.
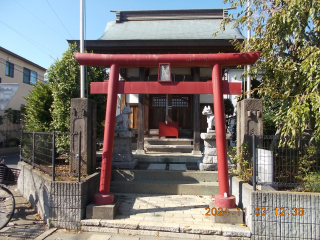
(173, 108)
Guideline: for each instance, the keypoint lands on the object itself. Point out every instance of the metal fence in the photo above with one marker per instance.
(285, 163)
(50, 152)
(10, 138)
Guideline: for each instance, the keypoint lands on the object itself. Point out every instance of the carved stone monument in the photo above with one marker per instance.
(83, 118)
(122, 152)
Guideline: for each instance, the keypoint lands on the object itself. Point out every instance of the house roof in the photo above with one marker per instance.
(185, 24)
(21, 58)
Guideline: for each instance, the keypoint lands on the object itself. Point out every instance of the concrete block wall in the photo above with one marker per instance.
(63, 204)
(243, 193)
(288, 225)
(272, 225)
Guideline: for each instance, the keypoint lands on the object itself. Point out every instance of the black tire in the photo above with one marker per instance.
(7, 206)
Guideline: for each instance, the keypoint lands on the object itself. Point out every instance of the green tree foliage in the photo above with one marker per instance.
(287, 34)
(48, 104)
(37, 115)
(64, 79)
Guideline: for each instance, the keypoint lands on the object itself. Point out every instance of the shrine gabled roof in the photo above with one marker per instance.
(191, 24)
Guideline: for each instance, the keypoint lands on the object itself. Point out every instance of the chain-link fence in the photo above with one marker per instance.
(285, 163)
(48, 151)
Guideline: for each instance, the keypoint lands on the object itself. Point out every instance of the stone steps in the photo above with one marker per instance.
(169, 148)
(165, 187)
(168, 141)
(167, 158)
(169, 216)
(168, 145)
(176, 176)
(164, 182)
(168, 230)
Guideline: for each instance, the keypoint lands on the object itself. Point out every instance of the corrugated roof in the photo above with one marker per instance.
(169, 30)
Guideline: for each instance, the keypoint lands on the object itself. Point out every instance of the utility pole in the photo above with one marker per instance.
(248, 66)
(81, 50)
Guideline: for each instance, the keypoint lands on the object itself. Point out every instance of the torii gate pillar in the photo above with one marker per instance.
(223, 199)
(105, 196)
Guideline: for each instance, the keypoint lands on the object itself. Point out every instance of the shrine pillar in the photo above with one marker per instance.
(223, 199)
(105, 196)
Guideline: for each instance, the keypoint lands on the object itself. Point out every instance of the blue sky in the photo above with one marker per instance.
(31, 29)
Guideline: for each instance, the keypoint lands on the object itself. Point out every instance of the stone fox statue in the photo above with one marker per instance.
(122, 120)
(210, 118)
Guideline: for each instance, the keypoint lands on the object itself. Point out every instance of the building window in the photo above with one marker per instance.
(9, 69)
(29, 76)
(16, 117)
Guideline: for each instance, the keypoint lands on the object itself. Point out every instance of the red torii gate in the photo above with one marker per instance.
(217, 87)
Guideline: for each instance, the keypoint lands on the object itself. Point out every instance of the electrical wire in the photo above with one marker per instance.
(30, 40)
(59, 19)
(3, 61)
(40, 20)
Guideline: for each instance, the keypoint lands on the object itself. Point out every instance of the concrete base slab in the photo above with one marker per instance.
(225, 215)
(102, 211)
(177, 167)
(196, 153)
(155, 166)
(140, 151)
(207, 167)
(125, 165)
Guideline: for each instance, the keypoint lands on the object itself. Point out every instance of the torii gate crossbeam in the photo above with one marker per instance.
(113, 87)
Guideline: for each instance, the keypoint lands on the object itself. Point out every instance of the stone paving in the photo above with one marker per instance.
(178, 216)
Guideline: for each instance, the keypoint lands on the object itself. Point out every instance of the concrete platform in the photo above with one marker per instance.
(169, 148)
(177, 167)
(168, 141)
(171, 216)
(167, 158)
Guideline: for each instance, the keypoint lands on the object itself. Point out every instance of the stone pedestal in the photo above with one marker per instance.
(122, 151)
(225, 215)
(83, 118)
(94, 211)
(210, 159)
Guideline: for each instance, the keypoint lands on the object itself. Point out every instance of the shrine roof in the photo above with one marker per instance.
(189, 24)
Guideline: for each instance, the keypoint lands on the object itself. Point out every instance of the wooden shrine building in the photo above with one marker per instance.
(166, 32)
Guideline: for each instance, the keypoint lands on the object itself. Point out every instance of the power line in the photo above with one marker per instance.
(30, 40)
(59, 19)
(40, 20)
